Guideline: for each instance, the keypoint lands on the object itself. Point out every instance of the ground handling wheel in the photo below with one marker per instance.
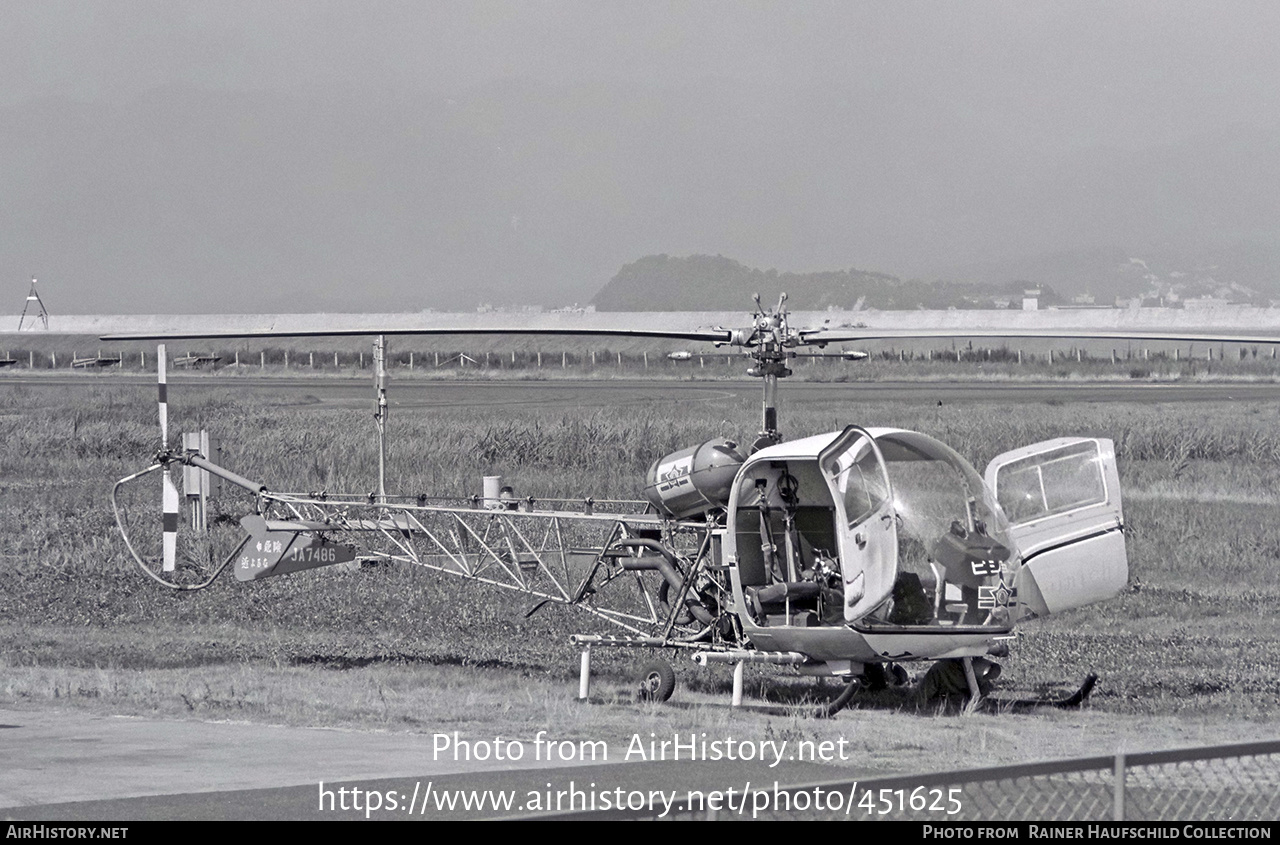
(656, 682)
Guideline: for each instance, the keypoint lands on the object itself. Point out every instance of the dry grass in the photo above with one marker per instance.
(1194, 636)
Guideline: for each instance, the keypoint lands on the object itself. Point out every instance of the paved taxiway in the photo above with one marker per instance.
(65, 765)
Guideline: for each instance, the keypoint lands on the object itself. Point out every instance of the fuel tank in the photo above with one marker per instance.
(695, 480)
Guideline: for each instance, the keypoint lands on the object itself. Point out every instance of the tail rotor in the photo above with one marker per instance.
(170, 501)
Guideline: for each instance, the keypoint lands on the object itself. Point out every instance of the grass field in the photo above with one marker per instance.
(1193, 638)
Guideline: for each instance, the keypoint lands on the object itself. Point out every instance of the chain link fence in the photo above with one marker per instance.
(1221, 783)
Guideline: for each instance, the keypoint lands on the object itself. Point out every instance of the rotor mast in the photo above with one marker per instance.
(770, 342)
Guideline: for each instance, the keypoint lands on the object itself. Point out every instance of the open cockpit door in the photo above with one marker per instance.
(866, 529)
(1062, 500)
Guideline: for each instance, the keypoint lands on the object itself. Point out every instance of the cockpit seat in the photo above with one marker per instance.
(770, 603)
(911, 604)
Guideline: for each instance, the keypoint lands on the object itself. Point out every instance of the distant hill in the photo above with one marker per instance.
(1245, 274)
(716, 283)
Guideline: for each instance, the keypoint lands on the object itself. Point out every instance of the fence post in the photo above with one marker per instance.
(1117, 792)
(584, 674)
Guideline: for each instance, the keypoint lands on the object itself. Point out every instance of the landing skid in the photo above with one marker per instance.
(1074, 700)
(829, 709)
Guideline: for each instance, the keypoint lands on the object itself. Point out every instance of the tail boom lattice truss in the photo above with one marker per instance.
(561, 557)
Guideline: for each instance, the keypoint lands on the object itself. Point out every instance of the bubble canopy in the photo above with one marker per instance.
(934, 488)
(951, 535)
(921, 541)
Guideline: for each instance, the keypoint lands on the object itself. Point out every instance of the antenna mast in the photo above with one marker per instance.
(380, 412)
(42, 314)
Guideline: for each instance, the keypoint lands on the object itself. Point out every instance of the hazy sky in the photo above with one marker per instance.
(891, 136)
(1155, 61)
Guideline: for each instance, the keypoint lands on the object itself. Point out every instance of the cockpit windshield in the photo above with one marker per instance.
(955, 559)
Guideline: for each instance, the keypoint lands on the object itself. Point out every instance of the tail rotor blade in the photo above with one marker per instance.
(170, 504)
(164, 397)
(169, 498)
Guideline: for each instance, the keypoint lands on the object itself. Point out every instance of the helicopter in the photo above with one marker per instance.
(840, 555)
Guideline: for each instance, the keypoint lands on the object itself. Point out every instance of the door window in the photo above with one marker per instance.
(1052, 482)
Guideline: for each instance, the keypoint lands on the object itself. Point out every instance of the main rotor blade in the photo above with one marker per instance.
(624, 325)
(821, 337)
(609, 325)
